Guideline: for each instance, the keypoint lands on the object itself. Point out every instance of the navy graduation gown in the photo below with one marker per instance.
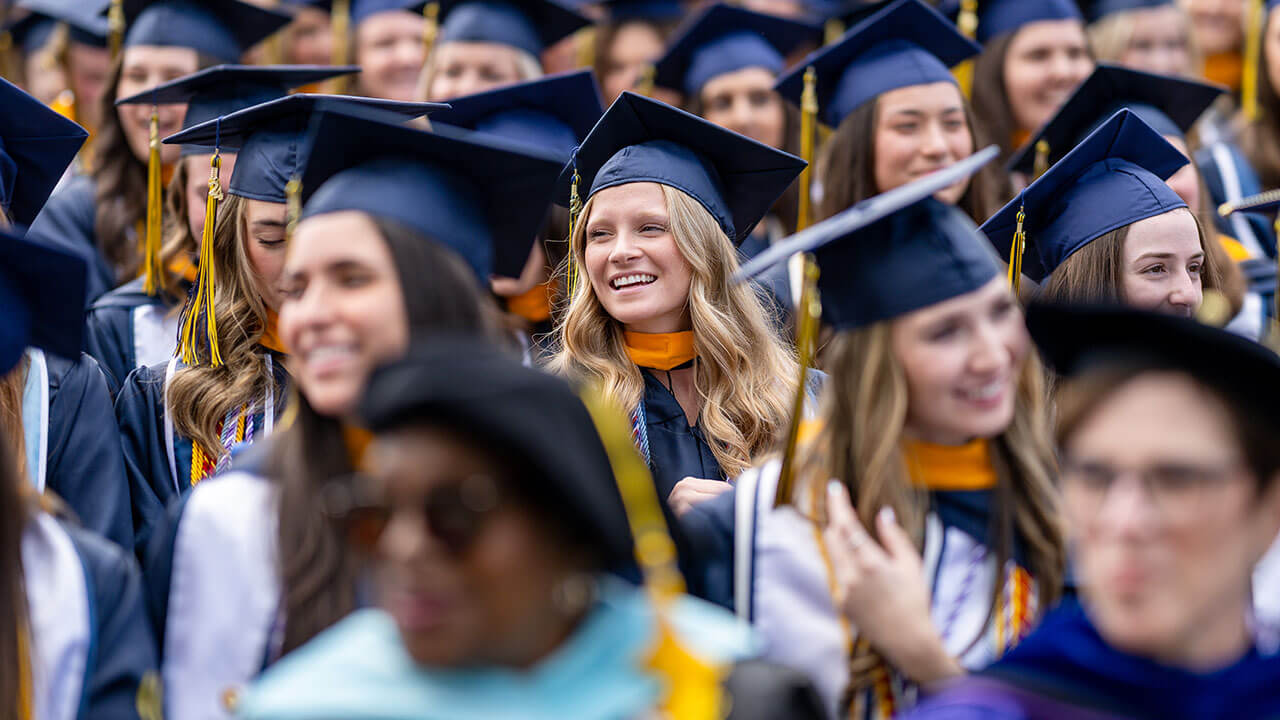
(68, 222)
(676, 449)
(127, 329)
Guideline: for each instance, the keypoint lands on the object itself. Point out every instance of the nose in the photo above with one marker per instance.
(989, 353)
(1186, 292)
(404, 539)
(310, 311)
(624, 249)
(1128, 510)
(934, 142)
(409, 53)
(742, 114)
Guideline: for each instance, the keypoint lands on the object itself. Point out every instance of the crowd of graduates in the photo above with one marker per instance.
(547, 359)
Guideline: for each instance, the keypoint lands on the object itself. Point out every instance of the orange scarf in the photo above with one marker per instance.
(1225, 69)
(950, 467)
(270, 338)
(1020, 138)
(184, 267)
(534, 306)
(356, 440)
(660, 351)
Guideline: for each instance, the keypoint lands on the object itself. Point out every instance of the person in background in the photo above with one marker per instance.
(625, 45)
(387, 44)
(1166, 430)
(308, 39)
(1218, 27)
(1154, 36)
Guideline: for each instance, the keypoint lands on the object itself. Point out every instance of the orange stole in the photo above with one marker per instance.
(660, 351)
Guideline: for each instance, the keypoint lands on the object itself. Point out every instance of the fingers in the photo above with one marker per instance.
(897, 543)
(691, 491)
(845, 526)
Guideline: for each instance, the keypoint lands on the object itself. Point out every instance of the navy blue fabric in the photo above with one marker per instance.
(109, 335)
(997, 17)
(1113, 178)
(32, 32)
(724, 39)
(157, 566)
(1246, 178)
(710, 527)
(1170, 105)
(67, 223)
(906, 43)
(41, 300)
(529, 25)
(362, 10)
(484, 198)
(655, 11)
(1099, 9)
(84, 18)
(223, 29)
(36, 147)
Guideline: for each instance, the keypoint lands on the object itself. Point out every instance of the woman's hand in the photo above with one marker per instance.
(691, 491)
(882, 590)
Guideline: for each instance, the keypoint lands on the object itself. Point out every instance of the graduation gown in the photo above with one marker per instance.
(1228, 176)
(73, 446)
(1067, 670)
(91, 645)
(68, 222)
(157, 459)
(128, 329)
(673, 448)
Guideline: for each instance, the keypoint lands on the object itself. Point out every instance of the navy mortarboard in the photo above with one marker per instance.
(905, 43)
(41, 299)
(1170, 105)
(998, 17)
(484, 197)
(725, 39)
(656, 11)
(221, 29)
(85, 22)
(529, 25)
(1113, 178)
(1099, 9)
(36, 146)
(734, 177)
(553, 113)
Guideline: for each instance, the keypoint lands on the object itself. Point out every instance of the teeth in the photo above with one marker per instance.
(325, 352)
(638, 279)
(986, 392)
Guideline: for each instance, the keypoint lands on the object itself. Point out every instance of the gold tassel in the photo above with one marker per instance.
(153, 273)
(1016, 250)
(203, 300)
(1252, 58)
(292, 207)
(808, 119)
(644, 85)
(585, 44)
(115, 27)
(832, 31)
(1042, 159)
(575, 211)
(340, 20)
(808, 315)
(967, 24)
(431, 14)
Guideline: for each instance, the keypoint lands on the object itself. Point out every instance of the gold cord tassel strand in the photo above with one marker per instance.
(808, 127)
(808, 315)
(153, 274)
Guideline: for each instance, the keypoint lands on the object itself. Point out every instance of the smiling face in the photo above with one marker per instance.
(1045, 61)
(309, 38)
(744, 101)
(466, 68)
(962, 359)
(389, 51)
(144, 67)
(1160, 42)
(343, 311)
(87, 71)
(1218, 24)
(919, 130)
(1163, 263)
(633, 262)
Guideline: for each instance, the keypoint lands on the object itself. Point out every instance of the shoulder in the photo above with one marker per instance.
(109, 568)
(125, 297)
(980, 698)
(224, 504)
(82, 371)
(141, 380)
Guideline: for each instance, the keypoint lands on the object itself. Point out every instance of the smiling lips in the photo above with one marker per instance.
(633, 280)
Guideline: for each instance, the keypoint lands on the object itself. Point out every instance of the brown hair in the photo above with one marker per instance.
(318, 570)
(847, 168)
(863, 417)
(605, 33)
(15, 512)
(990, 100)
(178, 241)
(1260, 138)
(12, 432)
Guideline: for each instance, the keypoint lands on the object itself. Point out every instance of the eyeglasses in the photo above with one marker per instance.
(1175, 488)
(455, 514)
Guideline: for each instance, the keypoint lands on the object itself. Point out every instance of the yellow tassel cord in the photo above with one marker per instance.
(115, 27)
(203, 301)
(1252, 58)
(575, 211)
(292, 207)
(1016, 250)
(430, 13)
(198, 457)
(810, 311)
(692, 686)
(644, 85)
(1272, 337)
(808, 121)
(1042, 159)
(832, 31)
(340, 21)
(584, 42)
(153, 273)
(967, 24)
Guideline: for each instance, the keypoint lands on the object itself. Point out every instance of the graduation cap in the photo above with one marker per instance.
(1077, 339)
(36, 147)
(639, 139)
(270, 137)
(222, 29)
(655, 11)
(997, 17)
(362, 10)
(553, 113)
(1114, 177)
(529, 25)
(905, 43)
(525, 414)
(42, 295)
(484, 197)
(224, 89)
(1099, 9)
(1170, 105)
(84, 18)
(725, 39)
(893, 253)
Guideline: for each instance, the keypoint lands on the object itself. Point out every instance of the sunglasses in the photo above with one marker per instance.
(455, 514)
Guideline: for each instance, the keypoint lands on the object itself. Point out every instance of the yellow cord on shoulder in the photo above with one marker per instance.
(1252, 59)
(153, 273)
(808, 315)
(808, 123)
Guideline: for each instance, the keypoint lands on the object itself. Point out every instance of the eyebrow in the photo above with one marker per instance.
(1165, 256)
(267, 223)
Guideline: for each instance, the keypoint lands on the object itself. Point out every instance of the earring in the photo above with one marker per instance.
(574, 594)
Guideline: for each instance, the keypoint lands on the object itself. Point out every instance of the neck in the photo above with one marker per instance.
(661, 351)
(1211, 643)
(543, 641)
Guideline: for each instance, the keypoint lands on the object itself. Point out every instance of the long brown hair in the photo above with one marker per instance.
(15, 511)
(990, 100)
(318, 570)
(1260, 138)
(863, 417)
(848, 160)
(12, 432)
(178, 241)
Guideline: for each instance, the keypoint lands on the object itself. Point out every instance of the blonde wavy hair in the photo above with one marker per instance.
(745, 375)
(1110, 37)
(528, 68)
(863, 420)
(200, 396)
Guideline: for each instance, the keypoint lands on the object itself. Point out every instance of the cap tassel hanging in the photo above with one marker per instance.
(808, 315)
(340, 20)
(153, 273)
(431, 29)
(575, 211)
(115, 27)
(1042, 159)
(1016, 250)
(808, 123)
(967, 24)
(832, 31)
(644, 85)
(1252, 57)
(292, 207)
(202, 302)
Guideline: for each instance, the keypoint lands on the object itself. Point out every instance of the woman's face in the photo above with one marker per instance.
(1271, 40)
(264, 243)
(962, 359)
(390, 53)
(631, 258)
(1218, 25)
(343, 312)
(87, 71)
(1160, 42)
(635, 46)
(144, 67)
(480, 591)
(466, 68)
(309, 38)
(1165, 521)
(1046, 60)
(1163, 261)
(744, 102)
(1185, 182)
(197, 188)
(45, 78)
(919, 130)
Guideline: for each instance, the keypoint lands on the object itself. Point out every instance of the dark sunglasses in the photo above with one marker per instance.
(455, 514)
